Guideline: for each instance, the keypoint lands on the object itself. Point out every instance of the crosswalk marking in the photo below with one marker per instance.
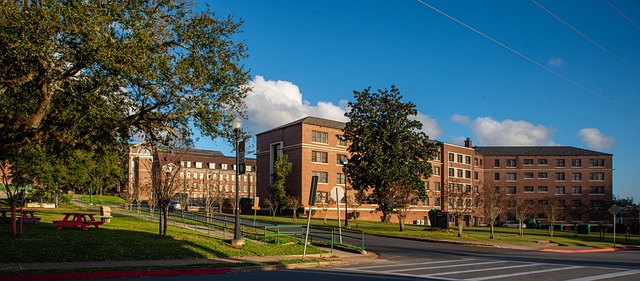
(524, 273)
(482, 269)
(444, 266)
(361, 268)
(607, 276)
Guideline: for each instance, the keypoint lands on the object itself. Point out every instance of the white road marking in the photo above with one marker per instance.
(362, 268)
(607, 276)
(525, 273)
(444, 266)
(482, 269)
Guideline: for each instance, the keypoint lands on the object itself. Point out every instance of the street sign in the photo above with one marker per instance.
(615, 209)
(257, 208)
(312, 192)
(337, 193)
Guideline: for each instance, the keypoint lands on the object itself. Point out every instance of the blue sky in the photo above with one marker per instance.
(574, 81)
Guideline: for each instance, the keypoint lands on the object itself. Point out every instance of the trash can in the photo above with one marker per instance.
(105, 213)
(584, 229)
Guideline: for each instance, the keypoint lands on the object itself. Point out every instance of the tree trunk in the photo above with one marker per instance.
(491, 230)
(460, 226)
(164, 228)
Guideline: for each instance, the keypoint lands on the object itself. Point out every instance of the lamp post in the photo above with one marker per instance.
(237, 235)
(345, 161)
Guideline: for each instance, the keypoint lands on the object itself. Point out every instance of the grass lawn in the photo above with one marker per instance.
(125, 238)
(475, 234)
(101, 200)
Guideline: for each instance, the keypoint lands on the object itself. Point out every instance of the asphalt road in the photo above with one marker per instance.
(401, 259)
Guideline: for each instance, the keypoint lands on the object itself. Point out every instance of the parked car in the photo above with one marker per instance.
(514, 224)
(175, 205)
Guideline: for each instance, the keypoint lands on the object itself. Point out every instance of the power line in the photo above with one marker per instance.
(586, 37)
(531, 60)
(623, 15)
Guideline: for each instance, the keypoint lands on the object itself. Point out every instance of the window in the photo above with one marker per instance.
(543, 189)
(212, 166)
(596, 203)
(511, 176)
(414, 201)
(436, 171)
(340, 158)
(596, 190)
(319, 157)
(341, 141)
(460, 173)
(559, 176)
(224, 166)
(436, 201)
(528, 162)
(596, 176)
(497, 176)
(559, 162)
(199, 165)
(452, 172)
(322, 176)
(576, 203)
(577, 190)
(559, 189)
(512, 204)
(576, 176)
(528, 175)
(528, 202)
(528, 189)
(576, 217)
(543, 202)
(451, 157)
(340, 179)
(496, 163)
(511, 190)
(475, 175)
(576, 163)
(511, 163)
(425, 201)
(596, 162)
(317, 136)
(426, 185)
(322, 197)
(542, 162)
(459, 158)
(467, 174)
(436, 186)
(475, 161)
(467, 159)
(543, 176)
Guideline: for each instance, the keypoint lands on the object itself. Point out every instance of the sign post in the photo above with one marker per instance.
(255, 208)
(337, 193)
(312, 200)
(614, 210)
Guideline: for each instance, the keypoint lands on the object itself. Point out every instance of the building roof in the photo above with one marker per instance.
(312, 121)
(536, 151)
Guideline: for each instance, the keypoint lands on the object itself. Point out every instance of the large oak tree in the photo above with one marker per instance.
(389, 153)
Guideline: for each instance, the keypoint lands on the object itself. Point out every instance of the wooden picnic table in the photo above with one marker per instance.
(27, 216)
(78, 220)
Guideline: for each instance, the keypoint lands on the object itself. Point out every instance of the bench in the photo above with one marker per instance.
(30, 220)
(104, 218)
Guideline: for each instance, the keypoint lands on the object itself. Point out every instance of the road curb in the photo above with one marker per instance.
(603, 250)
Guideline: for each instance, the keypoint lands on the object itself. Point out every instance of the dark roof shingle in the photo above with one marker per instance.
(536, 151)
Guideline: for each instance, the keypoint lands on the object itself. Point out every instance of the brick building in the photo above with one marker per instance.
(202, 173)
(460, 172)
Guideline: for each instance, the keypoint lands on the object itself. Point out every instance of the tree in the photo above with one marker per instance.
(553, 211)
(294, 202)
(460, 202)
(325, 207)
(389, 155)
(88, 72)
(523, 211)
(278, 188)
(166, 182)
(493, 203)
(273, 206)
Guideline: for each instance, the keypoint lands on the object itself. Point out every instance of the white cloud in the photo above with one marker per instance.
(594, 139)
(558, 62)
(510, 133)
(429, 125)
(274, 103)
(462, 119)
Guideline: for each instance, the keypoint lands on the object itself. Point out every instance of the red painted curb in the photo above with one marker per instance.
(113, 274)
(605, 250)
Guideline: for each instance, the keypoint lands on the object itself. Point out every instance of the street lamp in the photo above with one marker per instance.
(345, 161)
(236, 123)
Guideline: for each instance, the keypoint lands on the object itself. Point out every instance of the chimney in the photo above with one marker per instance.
(468, 143)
